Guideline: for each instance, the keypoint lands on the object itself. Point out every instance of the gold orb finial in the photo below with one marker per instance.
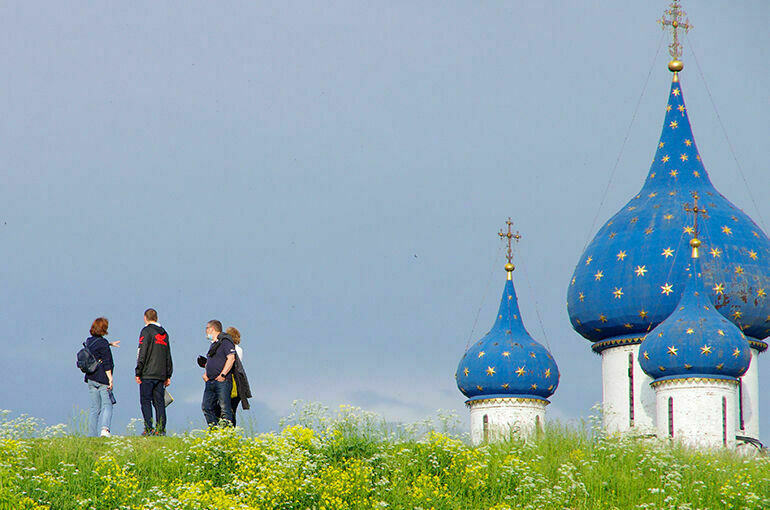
(509, 267)
(695, 242)
(675, 66)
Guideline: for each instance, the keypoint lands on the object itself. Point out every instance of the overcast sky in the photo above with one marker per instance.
(330, 177)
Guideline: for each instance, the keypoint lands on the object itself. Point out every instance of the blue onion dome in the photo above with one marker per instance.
(695, 340)
(507, 362)
(632, 274)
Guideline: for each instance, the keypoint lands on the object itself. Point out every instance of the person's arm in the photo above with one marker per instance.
(228, 365)
(109, 378)
(141, 355)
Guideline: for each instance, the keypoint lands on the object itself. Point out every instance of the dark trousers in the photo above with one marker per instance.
(216, 401)
(234, 401)
(151, 393)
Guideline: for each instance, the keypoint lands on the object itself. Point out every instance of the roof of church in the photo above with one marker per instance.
(695, 340)
(632, 274)
(507, 362)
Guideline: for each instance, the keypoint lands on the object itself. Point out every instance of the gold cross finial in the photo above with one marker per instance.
(510, 236)
(676, 22)
(696, 210)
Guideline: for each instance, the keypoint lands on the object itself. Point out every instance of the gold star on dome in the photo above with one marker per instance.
(531, 354)
(479, 388)
(660, 145)
(695, 173)
(738, 270)
(737, 314)
(672, 192)
(668, 107)
(688, 142)
(720, 366)
(706, 349)
(681, 108)
(581, 297)
(640, 270)
(573, 280)
(667, 289)
(634, 220)
(697, 156)
(646, 356)
(753, 255)
(506, 354)
(668, 252)
(736, 352)
(719, 288)
(727, 230)
(648, 230)
(690, 331)
(598, 275)
(547, 373)
(683, 157)
(754, 234)
(687, 366)
(761, 293)
(668, 217)
(643, 313)
(665, 159)
(481, 354)
(652, 195)
(520, 371)
(720, 332)
(674, 173)
(674, 124)
(688, 230)
(466, 371)
(660, 334)
(672, 350)
(505, 386)
(621, 255)
(589, 259)
(652, 175)
(491, 371)
(716, 252)
(534, 386)
(612, 235)
(675, 92)
(617, 292)
(628, 325)
(602, 318)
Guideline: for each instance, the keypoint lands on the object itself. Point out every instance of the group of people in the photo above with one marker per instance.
(226, 384)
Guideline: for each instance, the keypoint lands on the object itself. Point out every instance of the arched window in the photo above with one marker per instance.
(630, 389)
(486, 428)
(670, 416)
(724, 421)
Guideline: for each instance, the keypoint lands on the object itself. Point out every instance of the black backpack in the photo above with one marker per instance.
(86, 361)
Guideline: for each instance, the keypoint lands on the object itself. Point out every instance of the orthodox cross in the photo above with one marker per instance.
(696, 210)
(511, 237)
(675, 21)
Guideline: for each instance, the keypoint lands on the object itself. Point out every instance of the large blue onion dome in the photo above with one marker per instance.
(507, 362)
(632, 274)
(695, 340)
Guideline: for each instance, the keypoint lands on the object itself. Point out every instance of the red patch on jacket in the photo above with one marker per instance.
(141, 340)
(160, 339)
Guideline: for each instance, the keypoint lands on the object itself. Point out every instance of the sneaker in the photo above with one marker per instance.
(105, 433)
(148, 433)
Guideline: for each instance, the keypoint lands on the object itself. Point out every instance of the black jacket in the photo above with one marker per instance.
(242, 382)
(100, 348)
(153, 361)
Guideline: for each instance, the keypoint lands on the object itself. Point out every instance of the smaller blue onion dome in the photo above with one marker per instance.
(507, 362)
(695, 340)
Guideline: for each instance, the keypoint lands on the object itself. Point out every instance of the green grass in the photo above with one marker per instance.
(352, 459)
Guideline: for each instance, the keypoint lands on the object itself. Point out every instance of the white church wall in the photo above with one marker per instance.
(697, 412)
(498, 419)
(750, 391)
(616, 392)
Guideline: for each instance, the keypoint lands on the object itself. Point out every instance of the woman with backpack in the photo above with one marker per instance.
(100, 381)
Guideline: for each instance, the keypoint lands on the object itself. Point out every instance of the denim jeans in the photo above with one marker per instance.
(151, 395)
(101, 408)
(216, 401)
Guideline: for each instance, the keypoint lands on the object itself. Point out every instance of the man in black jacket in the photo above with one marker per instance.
(153, 372)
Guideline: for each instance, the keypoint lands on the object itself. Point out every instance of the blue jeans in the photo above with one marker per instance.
(216, 401)
(101, 407)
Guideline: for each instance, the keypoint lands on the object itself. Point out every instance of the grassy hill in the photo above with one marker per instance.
(353, 460)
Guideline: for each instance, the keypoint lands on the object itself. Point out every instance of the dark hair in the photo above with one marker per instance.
(235, 334)
(99, 327)
(151, 315)
(216, 325)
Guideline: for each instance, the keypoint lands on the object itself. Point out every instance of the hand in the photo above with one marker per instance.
(138, 380)
(168, 381)
(205, 377)
(116, 343)
(220, 378)
(110, 386)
